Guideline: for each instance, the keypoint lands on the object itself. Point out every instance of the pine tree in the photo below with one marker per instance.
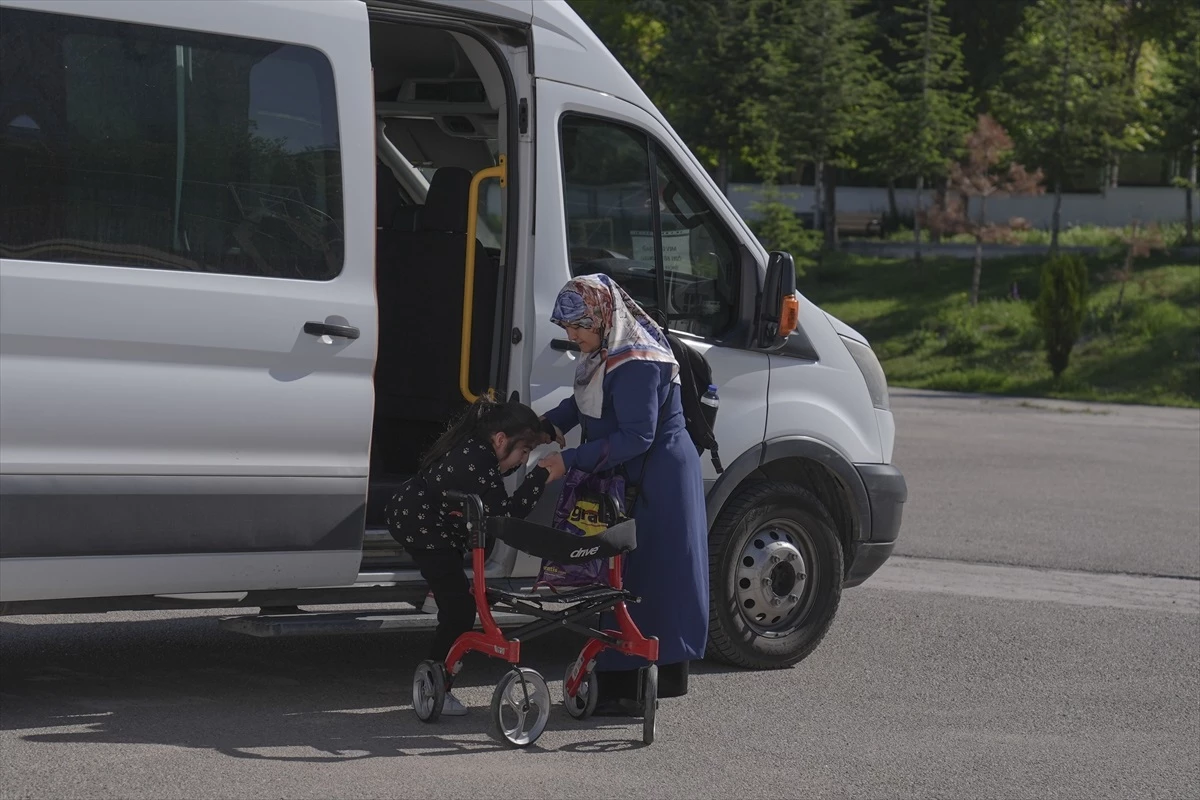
(1177, 102)
(929, 113)
(715, 59)
(1060, 308)
(1065, 99)
(828, 94)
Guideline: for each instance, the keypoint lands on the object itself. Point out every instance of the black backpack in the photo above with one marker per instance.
(695, 376)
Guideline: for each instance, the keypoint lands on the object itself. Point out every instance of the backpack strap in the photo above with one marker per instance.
(693, 412)
(715, 456)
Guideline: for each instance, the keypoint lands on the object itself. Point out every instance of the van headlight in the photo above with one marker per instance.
(871, 369)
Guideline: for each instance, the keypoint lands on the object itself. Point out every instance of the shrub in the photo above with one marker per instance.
(959, 327)
(778, 227)
(1160, 318)
(963, 337)
(1061, 306)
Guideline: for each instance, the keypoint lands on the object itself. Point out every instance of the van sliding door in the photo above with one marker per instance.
(187, 313)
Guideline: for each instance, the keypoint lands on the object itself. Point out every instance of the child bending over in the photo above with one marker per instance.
(489, 441)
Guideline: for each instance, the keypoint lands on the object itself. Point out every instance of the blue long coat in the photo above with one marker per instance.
(669, 569)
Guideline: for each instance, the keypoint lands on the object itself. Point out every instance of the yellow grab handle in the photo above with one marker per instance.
(464, 358)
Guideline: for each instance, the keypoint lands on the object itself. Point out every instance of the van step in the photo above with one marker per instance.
(324, 623)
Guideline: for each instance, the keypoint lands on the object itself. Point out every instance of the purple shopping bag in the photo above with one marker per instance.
(585, 508)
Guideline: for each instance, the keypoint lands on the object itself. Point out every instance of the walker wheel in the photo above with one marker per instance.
(429, 690)
(649, 704)
(520, 707)
(583, 703)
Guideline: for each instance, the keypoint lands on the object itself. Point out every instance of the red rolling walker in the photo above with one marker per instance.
(521, 701)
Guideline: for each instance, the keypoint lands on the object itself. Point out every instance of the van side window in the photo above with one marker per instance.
(610, 175)
(699, 255)
(606, 188)
(138, 146)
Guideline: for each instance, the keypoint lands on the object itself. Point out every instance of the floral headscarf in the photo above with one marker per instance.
(626, 333)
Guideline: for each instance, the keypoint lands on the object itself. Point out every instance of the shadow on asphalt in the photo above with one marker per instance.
(186, 683)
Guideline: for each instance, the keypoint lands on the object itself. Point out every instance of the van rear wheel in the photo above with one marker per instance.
(775, 568)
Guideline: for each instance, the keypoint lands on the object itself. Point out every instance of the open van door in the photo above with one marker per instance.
(187, 305)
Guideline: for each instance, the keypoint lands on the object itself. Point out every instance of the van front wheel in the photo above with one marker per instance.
(775, 569)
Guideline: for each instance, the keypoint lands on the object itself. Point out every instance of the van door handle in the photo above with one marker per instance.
(325, 329)
(564, 346)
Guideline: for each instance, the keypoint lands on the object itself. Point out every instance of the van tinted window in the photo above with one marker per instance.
(698, 254)
(137, 146)
(610, 175)
(606, 182)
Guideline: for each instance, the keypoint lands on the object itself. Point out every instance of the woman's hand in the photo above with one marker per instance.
(548, 437)
(553, 464)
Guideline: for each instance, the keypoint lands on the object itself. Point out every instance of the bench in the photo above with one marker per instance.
(864, 223)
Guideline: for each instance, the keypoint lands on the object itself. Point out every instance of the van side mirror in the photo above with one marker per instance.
(779, 309)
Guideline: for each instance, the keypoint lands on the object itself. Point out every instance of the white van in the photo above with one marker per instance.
(255, 254)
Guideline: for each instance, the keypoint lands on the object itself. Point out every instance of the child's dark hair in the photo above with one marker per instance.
(484, 418)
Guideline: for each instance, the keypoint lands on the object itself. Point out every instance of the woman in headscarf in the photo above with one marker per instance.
(627, 400)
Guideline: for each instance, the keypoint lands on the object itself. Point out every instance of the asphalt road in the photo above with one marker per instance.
(1048, 483)
(950, 675)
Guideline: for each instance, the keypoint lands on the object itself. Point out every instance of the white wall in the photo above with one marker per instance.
(1117, 207)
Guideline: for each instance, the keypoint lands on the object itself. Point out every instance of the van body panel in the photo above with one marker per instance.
(176, 411)
(826, 400)
(512, 11)
(110, 515)
(146, 575)
(310, 22)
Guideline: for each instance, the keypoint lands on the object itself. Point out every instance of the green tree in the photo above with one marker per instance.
(985, 27)
(1061, 306)
(928, 111)
(778, 228)
(828, 96)
(705, 63)
(633, 30)
(715, 61)
(986, 30)
(1065, 98)
(1177, 103)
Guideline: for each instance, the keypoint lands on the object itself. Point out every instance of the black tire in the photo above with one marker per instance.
(779, 520)
(649, 704)
(583, 704)
(429, 690)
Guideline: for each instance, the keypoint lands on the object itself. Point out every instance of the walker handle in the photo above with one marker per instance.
(473, 505)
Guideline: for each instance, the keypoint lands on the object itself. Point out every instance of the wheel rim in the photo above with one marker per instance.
(773, 578)
(521, 723)
(577, 706)
(424, 691)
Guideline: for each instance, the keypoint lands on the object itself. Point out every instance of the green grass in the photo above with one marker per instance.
(926, 334)
(1079, 236)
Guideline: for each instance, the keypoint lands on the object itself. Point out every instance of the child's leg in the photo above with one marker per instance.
(443, 570)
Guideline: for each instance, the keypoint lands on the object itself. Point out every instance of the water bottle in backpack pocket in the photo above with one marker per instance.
(710, 402)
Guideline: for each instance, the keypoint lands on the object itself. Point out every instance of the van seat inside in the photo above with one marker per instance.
(420, 279)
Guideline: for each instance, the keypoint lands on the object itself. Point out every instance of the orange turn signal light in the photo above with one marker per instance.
(789, 315)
